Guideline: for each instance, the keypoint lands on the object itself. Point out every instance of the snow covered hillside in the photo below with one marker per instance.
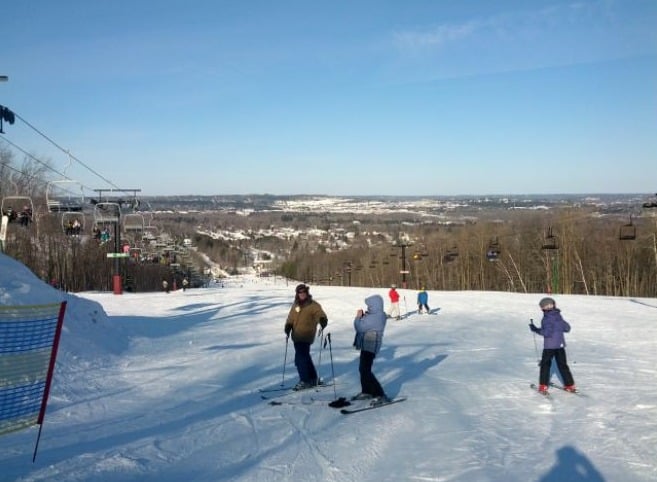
(164, 387)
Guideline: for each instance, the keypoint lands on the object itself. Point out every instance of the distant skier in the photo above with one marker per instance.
(165, 285)
(553, 326)
(302, 322)
(394, 302)
(369, 326)
(422, 300)
(185, 284)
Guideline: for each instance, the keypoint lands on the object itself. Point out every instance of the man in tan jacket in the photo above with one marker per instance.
(302, 322)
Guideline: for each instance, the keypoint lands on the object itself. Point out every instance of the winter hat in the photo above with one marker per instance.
(547, 303)
(393, 286)
(300, 288)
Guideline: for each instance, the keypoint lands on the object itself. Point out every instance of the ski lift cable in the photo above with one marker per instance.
(29, 177)
(44, 164)
(67, 152)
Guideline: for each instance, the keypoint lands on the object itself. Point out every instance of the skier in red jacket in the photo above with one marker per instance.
(394, 301)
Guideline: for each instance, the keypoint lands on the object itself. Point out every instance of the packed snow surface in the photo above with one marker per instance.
(165, 387)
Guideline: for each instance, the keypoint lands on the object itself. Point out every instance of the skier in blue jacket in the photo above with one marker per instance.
(422, 301)
(369, 326)
(553, 326)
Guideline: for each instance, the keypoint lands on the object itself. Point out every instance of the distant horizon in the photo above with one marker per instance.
(407, 195)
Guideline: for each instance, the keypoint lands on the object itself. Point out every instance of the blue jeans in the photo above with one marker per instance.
(304, 362)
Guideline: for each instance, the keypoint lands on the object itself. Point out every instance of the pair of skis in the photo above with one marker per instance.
(277, 392)
(534, 387)
(272, 394)
(347, 411)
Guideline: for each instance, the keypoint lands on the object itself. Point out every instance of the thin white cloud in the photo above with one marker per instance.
(519, 25)
(564, 34)
(435, 37)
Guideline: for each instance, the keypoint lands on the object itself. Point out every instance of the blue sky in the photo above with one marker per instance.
(361, 97)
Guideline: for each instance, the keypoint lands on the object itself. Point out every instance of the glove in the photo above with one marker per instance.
(323, 321)
(288, 329)
(534, 328)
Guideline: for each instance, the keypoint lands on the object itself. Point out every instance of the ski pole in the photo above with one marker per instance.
(319, 362)
(287, 340)
(538, 361)
(338, 402)
(405, 308)
(328, 339)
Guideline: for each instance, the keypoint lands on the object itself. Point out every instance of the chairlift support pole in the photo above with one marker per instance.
(117, 285)
(404, 269)
(347, 268)
(555, 275)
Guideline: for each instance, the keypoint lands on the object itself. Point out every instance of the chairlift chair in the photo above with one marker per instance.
(451, 255)
(550, 241)
(493, 252)
(627, 231)
(69, 219)
(150, 233)
(650, 204)
(60, 199)
(133, 222)
(106, 212)
(21, 205)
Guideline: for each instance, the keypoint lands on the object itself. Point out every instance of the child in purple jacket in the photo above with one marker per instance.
(553, 326)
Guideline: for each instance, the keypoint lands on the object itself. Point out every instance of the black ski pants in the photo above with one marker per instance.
(546, 363)
(368, 382)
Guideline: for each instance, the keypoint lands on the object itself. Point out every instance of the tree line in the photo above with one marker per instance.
(564, 250)
(582, 254)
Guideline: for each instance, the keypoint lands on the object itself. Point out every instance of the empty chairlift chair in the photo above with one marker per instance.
(627, 231)
(63, 196)
(106, 213)
(133, 223)
(451, 255)
(650, 204)
(550, 241)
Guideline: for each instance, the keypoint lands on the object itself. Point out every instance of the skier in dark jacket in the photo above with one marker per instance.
(369, 326)
(553, 326)
(302, 322)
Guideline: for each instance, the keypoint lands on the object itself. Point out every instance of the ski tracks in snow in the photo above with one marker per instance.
(294, 450)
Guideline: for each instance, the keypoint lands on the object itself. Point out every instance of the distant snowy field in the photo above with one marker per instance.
(157, 387)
